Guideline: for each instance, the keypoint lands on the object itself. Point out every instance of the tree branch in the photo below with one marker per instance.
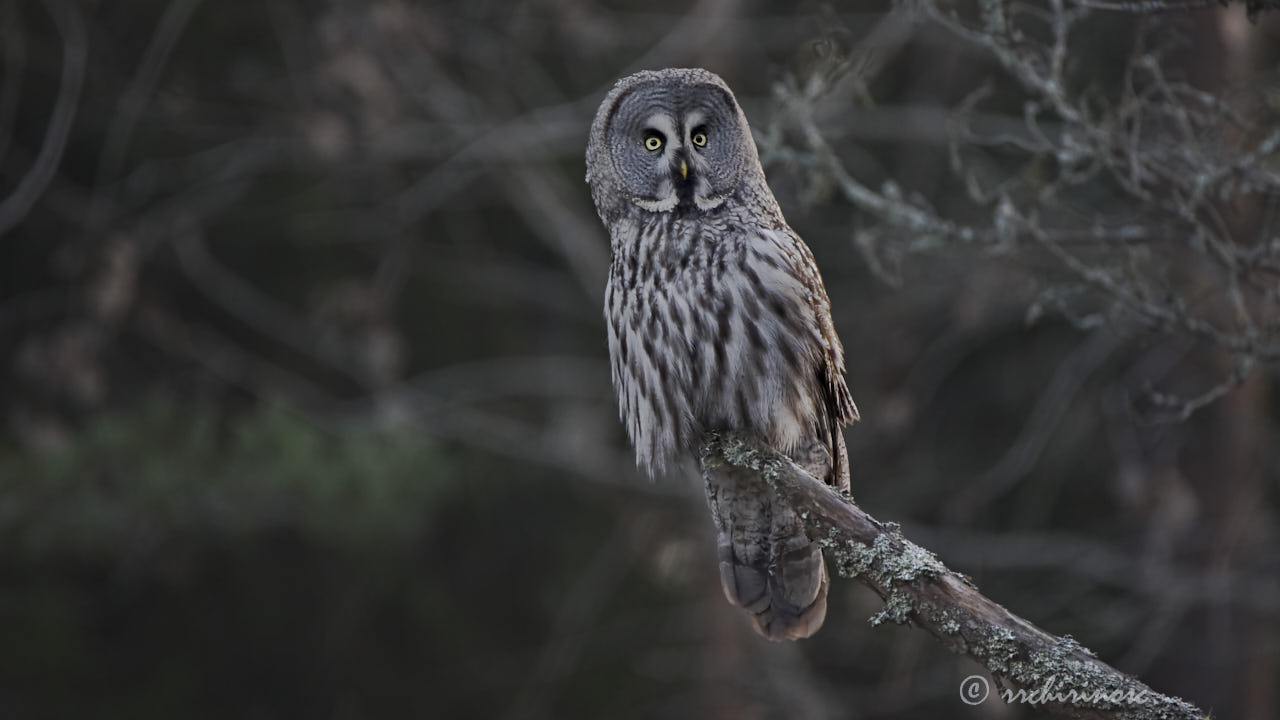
(75, 56)
(1252, 7)
(919, 589)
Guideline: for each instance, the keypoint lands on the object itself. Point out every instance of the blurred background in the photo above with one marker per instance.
(304, 384)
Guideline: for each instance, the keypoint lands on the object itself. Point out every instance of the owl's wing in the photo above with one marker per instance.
(836, 400)
(831, 373)
(839, 402)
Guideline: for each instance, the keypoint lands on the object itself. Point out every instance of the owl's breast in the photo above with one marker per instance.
(647, 312)
(709, 333)
(752, 356)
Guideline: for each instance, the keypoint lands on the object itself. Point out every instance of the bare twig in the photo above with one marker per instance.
(1182, 163)
(75, 56)
(134, 99)
(259, 310)
(1057, 397)
(1143, 7)
(15, 60)
(579, 610)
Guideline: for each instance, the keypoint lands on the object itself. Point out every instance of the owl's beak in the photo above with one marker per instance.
(684, 169)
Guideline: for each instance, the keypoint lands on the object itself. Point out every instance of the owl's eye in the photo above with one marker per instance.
(699, 138)
(652, 142)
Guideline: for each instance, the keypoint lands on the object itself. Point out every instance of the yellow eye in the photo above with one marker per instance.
(700, 139)
(653, 142)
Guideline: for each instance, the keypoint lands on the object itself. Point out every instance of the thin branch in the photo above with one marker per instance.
(259, 310)
(1184, 164)
(579, 610)
(917, 588)
(15, 61)
(75, 57)
(134, 99)
(1049, 410)
(1144, 7)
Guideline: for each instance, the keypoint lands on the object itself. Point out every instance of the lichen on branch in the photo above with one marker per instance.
(918, 589)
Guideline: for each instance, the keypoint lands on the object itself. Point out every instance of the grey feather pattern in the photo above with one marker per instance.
(717, 319)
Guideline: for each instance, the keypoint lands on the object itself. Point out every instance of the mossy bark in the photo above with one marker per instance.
(918, 589)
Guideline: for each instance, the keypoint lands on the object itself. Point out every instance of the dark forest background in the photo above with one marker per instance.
(304, 389)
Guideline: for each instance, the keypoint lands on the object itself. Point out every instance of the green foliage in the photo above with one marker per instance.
(174, 561)
(163, 471)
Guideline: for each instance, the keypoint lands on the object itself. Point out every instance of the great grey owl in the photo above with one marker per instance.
(718, 320)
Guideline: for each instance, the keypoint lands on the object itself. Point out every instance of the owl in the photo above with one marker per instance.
(718, 321)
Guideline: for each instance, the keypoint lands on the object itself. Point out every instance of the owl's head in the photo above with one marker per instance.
(668, 139)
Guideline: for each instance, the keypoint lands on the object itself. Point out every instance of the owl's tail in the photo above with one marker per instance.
(785, 595)
(768, 566)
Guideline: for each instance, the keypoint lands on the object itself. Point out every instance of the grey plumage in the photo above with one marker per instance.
(718, 320)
